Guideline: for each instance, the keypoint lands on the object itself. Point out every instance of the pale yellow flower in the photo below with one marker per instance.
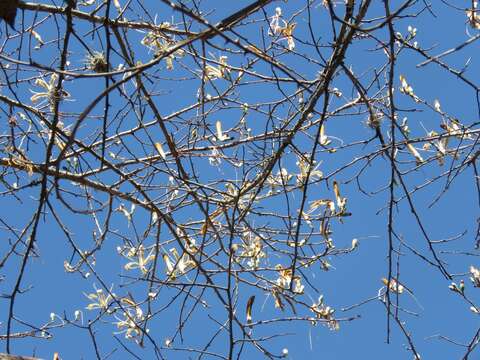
(394, 285)
(50, 90)
(100, 299)
(324, 312)
(217, 72)
(139, 260)
(130, 323)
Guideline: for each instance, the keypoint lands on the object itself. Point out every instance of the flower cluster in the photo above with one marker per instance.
(177, 265)
(217, 72)
(305, 168)
(129, 323)
(50, 92)
(160, 44)
(100, 300)
(250, 249)
(278, 26)
(279, 180)
(138, 260)
(324, 312)
(284, 280)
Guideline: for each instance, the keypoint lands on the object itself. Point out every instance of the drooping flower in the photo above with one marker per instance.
(341, 201)
(274, 27)
(415, 153)
(279, 26)
(221, 136)
(287, 32)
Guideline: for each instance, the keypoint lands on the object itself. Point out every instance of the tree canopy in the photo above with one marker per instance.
(239, 180)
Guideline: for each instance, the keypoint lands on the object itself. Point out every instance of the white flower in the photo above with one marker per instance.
(215, 158)
(160, 44)
(285, 279)
(130, 323)
(141, 261)
(220, 135)
(50, 90)
(475, 278)
(412, 31)
(305, 167)
(161, 152)
(275, 28)
(128, 214)
(394, 285)
(217, 72)
(324, 312)
(280, 179)
(251, 249)
(405, 88)
(285, 29)
(341, 201)
(99, 299)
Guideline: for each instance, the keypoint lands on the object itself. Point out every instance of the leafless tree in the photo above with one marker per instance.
(196, 163)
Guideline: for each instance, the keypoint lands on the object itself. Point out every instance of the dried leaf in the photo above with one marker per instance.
(249, 308)
(415, 153)
(324, 140)
(37, 37)
(220, 135)
(341, 201)
(160, 150)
